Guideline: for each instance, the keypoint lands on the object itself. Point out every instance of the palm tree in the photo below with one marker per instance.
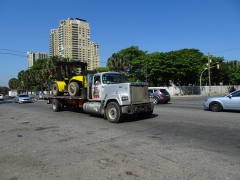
(14, 84)
(31, 79)
(21, 79)
(117, 63)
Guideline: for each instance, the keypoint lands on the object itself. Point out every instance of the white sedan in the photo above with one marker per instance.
(228, 102)
(1, 97)
(22, 98)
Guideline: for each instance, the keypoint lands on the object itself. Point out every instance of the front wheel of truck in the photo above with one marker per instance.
(113, 112)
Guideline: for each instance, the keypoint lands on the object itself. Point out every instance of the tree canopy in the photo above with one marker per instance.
(179, 67)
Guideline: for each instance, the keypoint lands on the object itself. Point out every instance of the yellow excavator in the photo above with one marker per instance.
(70, 78)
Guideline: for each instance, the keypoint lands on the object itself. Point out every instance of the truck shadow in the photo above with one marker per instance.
(125, 118)
(133, 118)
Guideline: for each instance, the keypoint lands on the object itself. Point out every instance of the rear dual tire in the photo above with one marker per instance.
(57, 105)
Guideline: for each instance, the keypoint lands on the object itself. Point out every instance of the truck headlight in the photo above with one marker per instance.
(124, 98)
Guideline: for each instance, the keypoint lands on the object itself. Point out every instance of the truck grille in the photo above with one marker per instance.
(139, 94)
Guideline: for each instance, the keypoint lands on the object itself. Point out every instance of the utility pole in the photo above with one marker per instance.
(146, 71)
(209, 73)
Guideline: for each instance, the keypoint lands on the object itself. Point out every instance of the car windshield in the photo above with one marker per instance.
(23, 95)
(236, 94)
(113, 78)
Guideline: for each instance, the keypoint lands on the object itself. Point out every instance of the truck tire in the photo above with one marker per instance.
(113, 112)
(73, 89)
(56, 105)
(55, 89)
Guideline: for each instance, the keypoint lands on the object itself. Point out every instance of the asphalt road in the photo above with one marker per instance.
(179, 141)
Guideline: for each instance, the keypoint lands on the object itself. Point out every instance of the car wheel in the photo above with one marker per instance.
(215, 106)
(155, 101)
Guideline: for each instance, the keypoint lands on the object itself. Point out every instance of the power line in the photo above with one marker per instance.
(226, 50)
(14, 54)
(12, 50)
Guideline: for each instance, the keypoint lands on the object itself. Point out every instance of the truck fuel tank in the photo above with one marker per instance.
(93, 107)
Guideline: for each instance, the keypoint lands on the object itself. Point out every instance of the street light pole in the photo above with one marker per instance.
(201, 80)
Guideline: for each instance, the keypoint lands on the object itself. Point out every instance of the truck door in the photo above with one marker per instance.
(96, 89)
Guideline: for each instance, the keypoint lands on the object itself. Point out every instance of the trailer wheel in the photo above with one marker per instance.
(113, 112)
(55, 89)
(56, 105)
(73, 89)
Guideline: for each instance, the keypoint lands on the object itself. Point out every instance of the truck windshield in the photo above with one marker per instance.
(113, 78)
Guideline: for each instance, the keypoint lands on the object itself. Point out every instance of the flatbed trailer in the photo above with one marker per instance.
(59, 102)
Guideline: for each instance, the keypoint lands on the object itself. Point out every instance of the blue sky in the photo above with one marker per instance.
(152, 25)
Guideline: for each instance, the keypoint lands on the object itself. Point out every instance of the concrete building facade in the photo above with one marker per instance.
(72, 40)
(34, 56)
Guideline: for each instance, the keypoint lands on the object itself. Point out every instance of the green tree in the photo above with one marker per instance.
(134, 62)
(117, 63)
(4, 90)
(102, 69)
(14, 84)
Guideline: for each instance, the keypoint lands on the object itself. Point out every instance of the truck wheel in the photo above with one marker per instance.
(56, 105)
(55, 89)
(146, 114)
(113, 112)
(73, 89)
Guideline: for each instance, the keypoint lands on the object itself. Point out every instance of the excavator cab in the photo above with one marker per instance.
(70, 78)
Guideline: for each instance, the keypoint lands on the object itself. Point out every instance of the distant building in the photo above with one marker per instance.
(72, 40)
(34, 56)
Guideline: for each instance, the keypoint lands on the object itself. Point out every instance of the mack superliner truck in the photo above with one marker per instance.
(105, 93)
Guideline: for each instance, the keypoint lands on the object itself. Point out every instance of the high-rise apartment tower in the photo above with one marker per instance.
(72, 40)
(34, 56)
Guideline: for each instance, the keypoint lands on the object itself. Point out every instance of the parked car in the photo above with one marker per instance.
(22, 98)
(39, 96)
(160, 95)
(1, 97)
(227, 102)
